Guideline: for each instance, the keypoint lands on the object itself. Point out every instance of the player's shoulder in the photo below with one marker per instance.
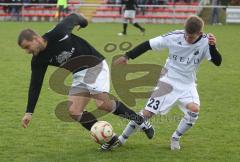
(175, 33)
(204, 38)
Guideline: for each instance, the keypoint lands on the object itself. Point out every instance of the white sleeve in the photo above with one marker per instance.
(207, 53)
(158, 43)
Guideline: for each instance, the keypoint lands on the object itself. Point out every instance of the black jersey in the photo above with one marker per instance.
(130, 4)
(62, 46)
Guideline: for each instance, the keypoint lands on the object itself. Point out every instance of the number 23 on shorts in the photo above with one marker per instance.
(153, 103)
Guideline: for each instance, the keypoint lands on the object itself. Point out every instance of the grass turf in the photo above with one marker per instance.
(215, 137)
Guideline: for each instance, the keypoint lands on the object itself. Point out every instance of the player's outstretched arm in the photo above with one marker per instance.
(216, 57)
(68, 23)
(138, 50)
(135, 52)
(76, 19)
(35, 86)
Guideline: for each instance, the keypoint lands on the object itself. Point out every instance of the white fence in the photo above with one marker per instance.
(233, 15)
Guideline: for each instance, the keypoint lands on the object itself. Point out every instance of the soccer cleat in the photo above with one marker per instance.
(114, 142)
(175, 144)
(148, 129)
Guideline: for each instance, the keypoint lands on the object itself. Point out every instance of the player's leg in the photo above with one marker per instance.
(135, 24)
(125, 23)
(160, 102)
(79, 96)
(190, 106)
(132, 127)
(189, 119)
(60, 10)
(104, 102)
(100, 92)
(76, 106)
(97, 81)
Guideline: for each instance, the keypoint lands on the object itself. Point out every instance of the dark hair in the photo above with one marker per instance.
(26, 34)
(193, 25)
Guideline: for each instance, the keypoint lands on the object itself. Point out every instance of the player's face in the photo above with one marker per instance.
(32, 47)
(191, 38)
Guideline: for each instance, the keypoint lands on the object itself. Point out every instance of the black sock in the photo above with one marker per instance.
(125, 28)
(87, 120)
(138, 26)
(125, 112)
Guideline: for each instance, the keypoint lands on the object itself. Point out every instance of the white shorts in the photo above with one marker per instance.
(130, 14)
(93, 80)
(167, 94)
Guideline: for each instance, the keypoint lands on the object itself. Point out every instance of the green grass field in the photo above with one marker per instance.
(215, 137)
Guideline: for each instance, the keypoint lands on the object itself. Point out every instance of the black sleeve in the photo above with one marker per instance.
(71, 21)
(216, 57)
(36, 81)
(66, 26)
(137, 51)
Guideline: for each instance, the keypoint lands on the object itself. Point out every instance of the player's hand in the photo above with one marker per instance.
(121, 61)
(78, 27)
(26, 119)
(211, 39)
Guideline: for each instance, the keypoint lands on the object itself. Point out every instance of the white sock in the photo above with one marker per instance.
(183, 126)
(128, 131)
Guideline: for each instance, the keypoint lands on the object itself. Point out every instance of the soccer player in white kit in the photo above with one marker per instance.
(187, 49)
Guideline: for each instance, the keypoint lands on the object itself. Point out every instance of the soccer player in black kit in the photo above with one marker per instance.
(60, 48)
(129, 15)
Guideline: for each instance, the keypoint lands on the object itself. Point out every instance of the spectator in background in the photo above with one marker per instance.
(62, 8)
(41, 1)
(235, 2)
(143, 2)
(6, 9)
(26, 1)
(215, 12)
(15, 9)
(111, 1)
(118, 1)
(51, 1)
(34, 1)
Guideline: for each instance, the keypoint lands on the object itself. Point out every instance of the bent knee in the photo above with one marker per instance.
(193, 107)
(73, 111)
(147, 114)
(75, 115)
(107, 106)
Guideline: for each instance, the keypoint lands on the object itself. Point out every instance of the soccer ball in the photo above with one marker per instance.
(101, 132)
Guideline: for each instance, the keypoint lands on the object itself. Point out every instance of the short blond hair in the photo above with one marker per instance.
(194, 24)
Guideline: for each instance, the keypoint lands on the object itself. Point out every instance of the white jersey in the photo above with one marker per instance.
(184, 58)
